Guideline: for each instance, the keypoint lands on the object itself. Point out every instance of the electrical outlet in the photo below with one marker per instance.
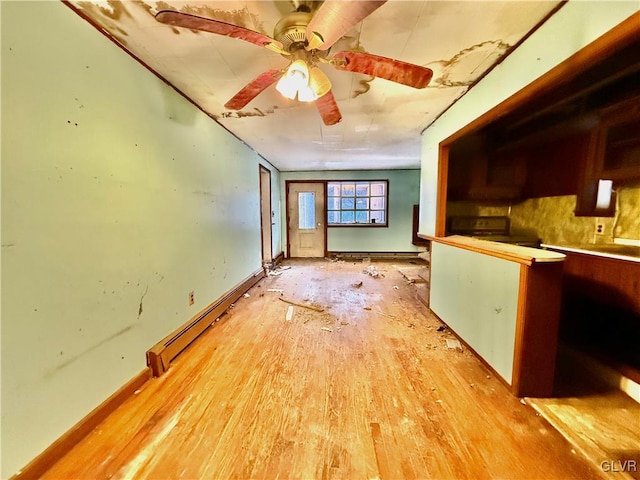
(191, 298)
(599, 229)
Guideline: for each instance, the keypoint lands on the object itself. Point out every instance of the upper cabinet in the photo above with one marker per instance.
(617, 154)
(586, 146)
(612, 158)
(480, 173)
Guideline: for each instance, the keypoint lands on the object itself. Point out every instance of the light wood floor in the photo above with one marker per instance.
(600, 421)
(365, 389)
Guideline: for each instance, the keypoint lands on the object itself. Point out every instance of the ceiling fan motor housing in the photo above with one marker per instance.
(291, 30)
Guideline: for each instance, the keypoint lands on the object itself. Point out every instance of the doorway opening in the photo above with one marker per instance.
(266, 216)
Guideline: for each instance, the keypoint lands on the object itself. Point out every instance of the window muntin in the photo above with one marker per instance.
(357, 203)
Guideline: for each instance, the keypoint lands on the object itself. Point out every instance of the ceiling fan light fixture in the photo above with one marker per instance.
(318, 81)
(286, 88)
(295, 81)
(307, 94)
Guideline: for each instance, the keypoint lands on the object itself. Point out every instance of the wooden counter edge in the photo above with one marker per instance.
(498, 250)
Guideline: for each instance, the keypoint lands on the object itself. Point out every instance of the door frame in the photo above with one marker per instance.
(266, 212)
(324, 211)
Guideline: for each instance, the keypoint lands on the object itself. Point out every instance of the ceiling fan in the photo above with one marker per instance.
(305, 39)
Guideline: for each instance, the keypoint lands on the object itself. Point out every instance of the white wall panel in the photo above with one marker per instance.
(477, 296)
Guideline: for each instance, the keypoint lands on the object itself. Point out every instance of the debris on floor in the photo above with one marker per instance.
(453, 344)
(246, 295)
(417, 274)
(367, 308)
(357, 284)
(310, 307)
(371, 270)
(278, 270)
(289, 313)
(396, 287)
(385, 314)
(276, 290)
(327, 329)
(441, 328)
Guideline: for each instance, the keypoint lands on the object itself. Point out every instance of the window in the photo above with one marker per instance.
(306, 210)
(357, 203)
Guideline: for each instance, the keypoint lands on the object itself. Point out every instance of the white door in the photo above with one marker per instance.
(306, 212)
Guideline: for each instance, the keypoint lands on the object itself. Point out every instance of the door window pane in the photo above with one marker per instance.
(306, 210)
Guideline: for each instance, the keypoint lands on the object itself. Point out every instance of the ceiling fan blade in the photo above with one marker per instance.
(253, 89)
(400, 72)
(194, 22)
(328, 109)
(334, 18)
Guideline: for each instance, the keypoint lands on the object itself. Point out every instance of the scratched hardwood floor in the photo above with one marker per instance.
(365, 389)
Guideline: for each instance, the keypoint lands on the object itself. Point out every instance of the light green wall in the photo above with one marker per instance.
(575, 25)
(404, 188)
(118, 198)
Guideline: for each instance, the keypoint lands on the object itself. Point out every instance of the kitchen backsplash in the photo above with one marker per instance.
(472, 209)
(552, 218)
(629, 220)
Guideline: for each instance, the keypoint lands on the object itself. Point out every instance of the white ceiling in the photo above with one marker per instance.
(382, 121)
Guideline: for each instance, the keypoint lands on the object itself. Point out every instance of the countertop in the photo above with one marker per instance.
(630, 253)
(515, 253)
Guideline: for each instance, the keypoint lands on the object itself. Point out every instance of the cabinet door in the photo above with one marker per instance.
(621, 158)
(619, 142)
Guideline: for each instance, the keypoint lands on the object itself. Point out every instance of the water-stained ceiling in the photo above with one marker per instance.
(381, 120)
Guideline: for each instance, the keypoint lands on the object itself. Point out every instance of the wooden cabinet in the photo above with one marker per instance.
(479, 174)
(601, 308)
(565, 158)
(617, 154)
(613, 154)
